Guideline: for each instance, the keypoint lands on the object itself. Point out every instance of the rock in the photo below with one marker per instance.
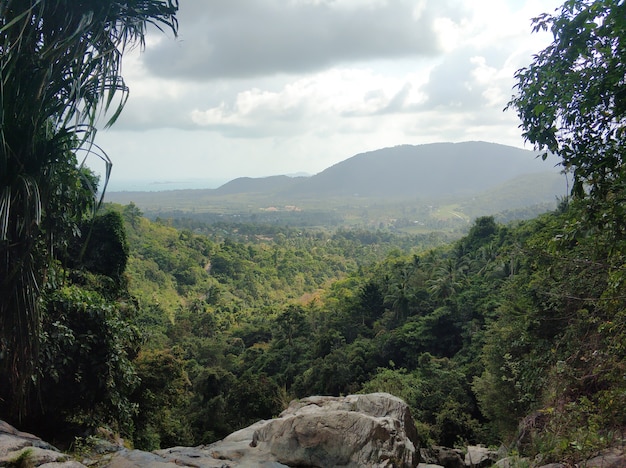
(448, 457)
(374, 430)
(478, 456)
(611, 458)
(136, 458)
(32, 456)
(67, 464)
(16, 445)
(512, 462)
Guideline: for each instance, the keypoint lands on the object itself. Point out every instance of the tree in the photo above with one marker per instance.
(572, 98)
(60, 63)
(85, 371)
(572, 102)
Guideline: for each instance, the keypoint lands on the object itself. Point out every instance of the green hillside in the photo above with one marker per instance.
(377, 187)
(212, 312)
(232, 321)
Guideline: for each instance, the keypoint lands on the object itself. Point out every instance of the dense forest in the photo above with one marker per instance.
(168, 335)
(182, 338)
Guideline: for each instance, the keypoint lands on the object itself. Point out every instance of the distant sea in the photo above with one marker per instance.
(163, 185)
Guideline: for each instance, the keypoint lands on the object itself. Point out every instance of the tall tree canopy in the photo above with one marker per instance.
(60, 64)
(572, 98)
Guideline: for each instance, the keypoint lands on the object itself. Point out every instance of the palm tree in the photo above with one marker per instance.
(60, 63)
(448, 278)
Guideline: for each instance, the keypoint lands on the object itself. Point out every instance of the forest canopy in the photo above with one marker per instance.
(513, 333)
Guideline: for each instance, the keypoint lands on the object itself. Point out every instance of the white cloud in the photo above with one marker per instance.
(281, 86)
(321, 100)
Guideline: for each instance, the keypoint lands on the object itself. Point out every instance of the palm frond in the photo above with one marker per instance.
(60, 71)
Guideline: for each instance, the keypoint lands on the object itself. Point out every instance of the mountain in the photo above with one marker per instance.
(257, 185)
(424, 171)
(431, 171)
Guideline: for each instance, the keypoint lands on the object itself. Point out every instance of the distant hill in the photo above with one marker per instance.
(271, 184)
(432, 171)
(425, 171)
(522, 191)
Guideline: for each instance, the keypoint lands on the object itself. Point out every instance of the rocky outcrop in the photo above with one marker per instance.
(478, 456)
(21, 447)
(444, 457)
(358, 430)
(374, 430)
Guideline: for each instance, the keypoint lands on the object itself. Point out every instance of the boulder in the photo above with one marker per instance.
(27, 449)
(374, 430)
(512, 462)
(478, 456)
(610, 458)
(444, 456)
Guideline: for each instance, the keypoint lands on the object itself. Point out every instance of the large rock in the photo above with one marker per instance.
(478, 456)
(374, 430)
(446, 457)
(22, 448)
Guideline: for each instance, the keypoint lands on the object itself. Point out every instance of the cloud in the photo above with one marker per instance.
(258, 88)
(336, 100)
(242, 39)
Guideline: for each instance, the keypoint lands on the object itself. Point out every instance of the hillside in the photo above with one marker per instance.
(424, 171)
(265, 185)
(430, 173)
(502, 337)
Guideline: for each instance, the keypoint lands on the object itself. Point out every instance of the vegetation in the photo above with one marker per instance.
(60, 67)
(179, 332)
(411, 213)
(476, 335)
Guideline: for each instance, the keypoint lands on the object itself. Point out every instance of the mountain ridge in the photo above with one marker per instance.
(432, 171)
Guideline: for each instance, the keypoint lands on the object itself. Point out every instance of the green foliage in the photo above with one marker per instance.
(21, 460)
(162, 397)
(571, 102)
(251, 398)
(60, 66)
(437, 392)
(86, 374)
(230, 346)
(104, 248)
(571, 99)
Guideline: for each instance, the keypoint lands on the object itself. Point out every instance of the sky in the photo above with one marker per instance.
(253, 88)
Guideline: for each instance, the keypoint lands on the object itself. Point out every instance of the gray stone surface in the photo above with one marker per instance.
(374, 430)
(67, 464)
(478, 456)
(33, 456)
(16, 444)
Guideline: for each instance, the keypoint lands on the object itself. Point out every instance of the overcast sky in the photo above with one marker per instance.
(265, 87)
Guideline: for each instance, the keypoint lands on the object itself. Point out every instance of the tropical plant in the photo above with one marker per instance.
(572, 102)
(572, 98)
(60, 64)
(85, 372)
